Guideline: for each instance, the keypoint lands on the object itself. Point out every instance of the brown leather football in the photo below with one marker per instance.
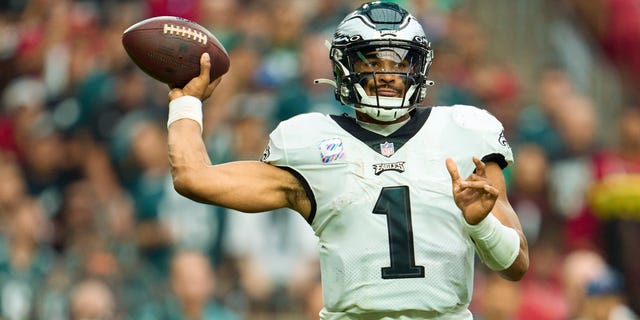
(169, 48)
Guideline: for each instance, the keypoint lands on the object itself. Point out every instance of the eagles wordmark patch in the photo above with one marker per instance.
(392, 166)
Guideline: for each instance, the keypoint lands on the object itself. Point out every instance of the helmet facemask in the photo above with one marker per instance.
(384, 78)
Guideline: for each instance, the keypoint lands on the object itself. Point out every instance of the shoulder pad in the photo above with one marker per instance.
(474, 118)
(304, 121)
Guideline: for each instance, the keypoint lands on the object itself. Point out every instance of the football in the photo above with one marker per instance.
(169, 48)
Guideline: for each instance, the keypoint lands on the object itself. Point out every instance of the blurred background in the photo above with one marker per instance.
(91, 228)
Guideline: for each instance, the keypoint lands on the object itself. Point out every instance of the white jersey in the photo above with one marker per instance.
(392, 241)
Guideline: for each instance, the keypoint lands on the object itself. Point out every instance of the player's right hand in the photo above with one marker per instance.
(200, 86)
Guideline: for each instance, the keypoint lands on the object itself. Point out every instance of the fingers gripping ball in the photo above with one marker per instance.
(169, 48)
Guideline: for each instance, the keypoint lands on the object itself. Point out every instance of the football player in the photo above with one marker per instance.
(401, 197)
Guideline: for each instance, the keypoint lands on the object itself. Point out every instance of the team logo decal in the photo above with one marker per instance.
(502, 139)
(331, 150)
(265, 154)
(393, 166)
(387, 149)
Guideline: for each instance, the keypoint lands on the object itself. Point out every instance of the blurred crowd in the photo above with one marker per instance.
(91, 228)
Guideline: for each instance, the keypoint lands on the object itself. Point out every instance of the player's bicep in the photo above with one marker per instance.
(248, 186)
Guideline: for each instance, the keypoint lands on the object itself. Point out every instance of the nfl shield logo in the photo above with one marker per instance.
(387, 149)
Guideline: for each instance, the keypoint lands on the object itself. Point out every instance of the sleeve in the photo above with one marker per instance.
(490, 130)
(275, 153)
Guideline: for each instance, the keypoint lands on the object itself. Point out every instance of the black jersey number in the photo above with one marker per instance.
(394, 203)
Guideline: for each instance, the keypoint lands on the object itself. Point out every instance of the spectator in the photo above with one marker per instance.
(191, 296)
(577, 125)
(13, 189)
(578, 269)
(528, 193)
(615, 27)
(606, 299)
(611, 221)
(23, 102)
(538, 121)
(498, 299)
(92, 299)
(25, 259)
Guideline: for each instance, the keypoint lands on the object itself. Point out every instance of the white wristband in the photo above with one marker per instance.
(185, 107)
(497, 245)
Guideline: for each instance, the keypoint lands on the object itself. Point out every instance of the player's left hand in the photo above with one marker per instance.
(475, 195)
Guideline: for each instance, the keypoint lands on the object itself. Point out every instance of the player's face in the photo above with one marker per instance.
(388, 69)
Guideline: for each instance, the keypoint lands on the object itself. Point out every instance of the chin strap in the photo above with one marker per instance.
(378, 113)
(384, 115)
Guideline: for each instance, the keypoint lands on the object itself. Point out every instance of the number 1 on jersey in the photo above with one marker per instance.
(394, 202)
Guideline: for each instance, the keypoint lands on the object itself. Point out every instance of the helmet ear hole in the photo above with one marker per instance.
(422, 94)
(344, 91)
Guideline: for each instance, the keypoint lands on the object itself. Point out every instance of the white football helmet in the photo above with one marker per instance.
(380, 27)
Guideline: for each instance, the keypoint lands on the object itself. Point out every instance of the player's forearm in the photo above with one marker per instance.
(507, 217)
(187, 154)
(519, 266)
